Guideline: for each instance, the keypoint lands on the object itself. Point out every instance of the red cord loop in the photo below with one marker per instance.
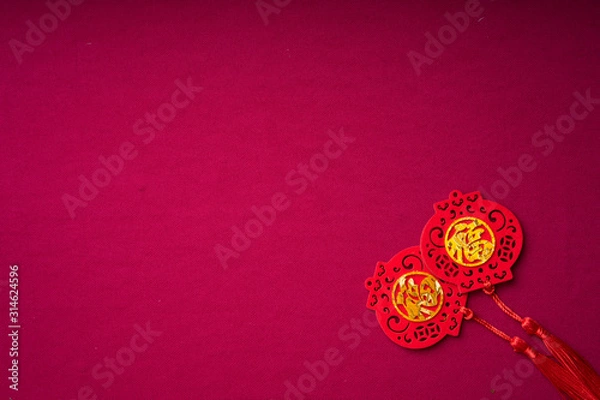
(488, 288)
(533, 328)
(467, 312)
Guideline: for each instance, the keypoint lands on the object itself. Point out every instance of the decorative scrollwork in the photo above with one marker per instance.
(457, 204)
(415, 262)
(500, 276)
(397, 322)
(438, 236)
(467, 285)
(377, 285)
(443, 207)
(493, 218)
(374, 300)
(454, 323)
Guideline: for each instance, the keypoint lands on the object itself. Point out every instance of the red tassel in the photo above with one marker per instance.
(560, 377)
(568, 357)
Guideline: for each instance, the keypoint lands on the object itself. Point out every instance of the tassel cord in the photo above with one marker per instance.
(563, 353)
(562, 379)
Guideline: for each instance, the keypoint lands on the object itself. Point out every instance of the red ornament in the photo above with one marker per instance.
(471, 242)
(420, 295)
(413, 307)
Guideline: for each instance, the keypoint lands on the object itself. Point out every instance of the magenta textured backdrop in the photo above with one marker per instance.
(195, 191)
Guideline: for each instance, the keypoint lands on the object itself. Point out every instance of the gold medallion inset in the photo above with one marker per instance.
(470, 241)
(417, 296)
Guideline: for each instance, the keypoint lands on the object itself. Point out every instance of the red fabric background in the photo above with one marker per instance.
(143, 250)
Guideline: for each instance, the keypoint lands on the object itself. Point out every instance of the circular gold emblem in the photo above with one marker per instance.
(470, 241)
(417, 296)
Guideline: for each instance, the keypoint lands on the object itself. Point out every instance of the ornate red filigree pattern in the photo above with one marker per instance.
(470, 241)
(413, 307)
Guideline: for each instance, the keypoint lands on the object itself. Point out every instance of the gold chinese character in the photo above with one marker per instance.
(417, 296)
(466, 241)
